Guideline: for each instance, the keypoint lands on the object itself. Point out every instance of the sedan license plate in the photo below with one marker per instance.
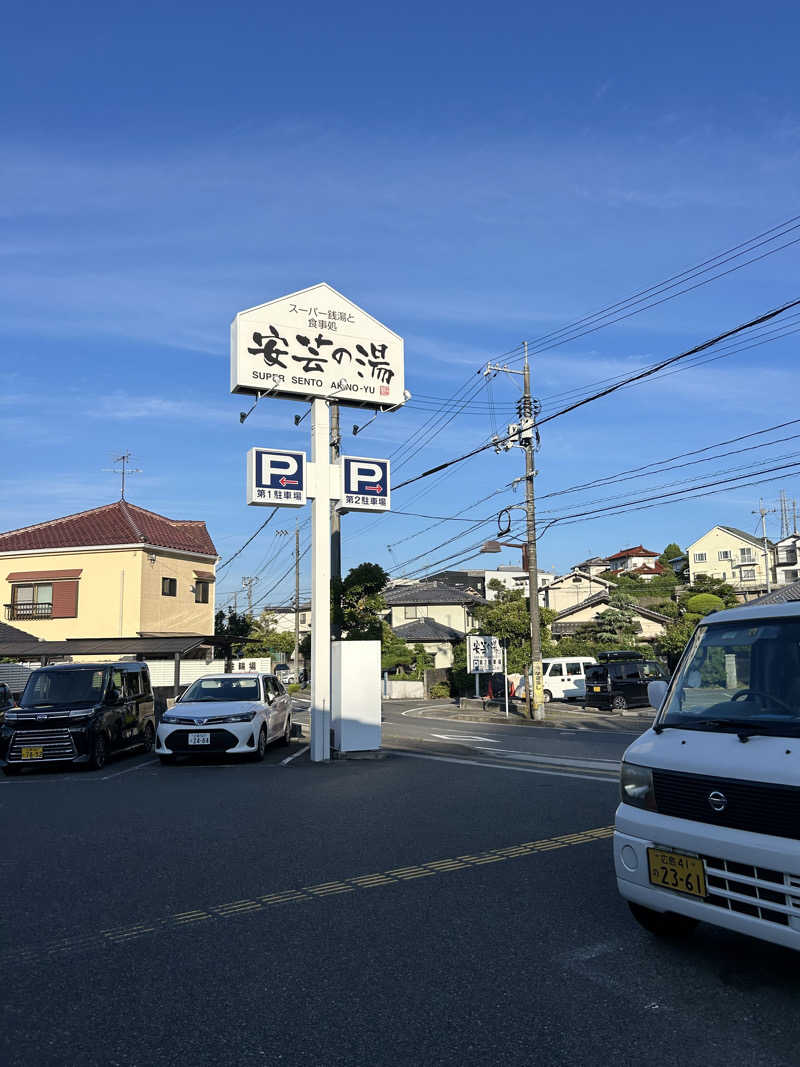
(199, 739)
(677, 871)
(33, 752)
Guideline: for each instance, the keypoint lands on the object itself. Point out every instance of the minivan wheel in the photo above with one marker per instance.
(149, 737)
(99, 752)
(619, 703)
(662, 923)
(548, 696)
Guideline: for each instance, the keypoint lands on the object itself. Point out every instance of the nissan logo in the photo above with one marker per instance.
(717, 801)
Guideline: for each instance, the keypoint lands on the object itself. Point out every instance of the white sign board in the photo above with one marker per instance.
(316, 343)
(276, 477)
(365, 484)
(484, 655)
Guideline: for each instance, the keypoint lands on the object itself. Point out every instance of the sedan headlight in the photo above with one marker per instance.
(167, 718)
(246, 716)
(636, 786)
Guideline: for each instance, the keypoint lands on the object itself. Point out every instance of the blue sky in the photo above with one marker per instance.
(472, 177)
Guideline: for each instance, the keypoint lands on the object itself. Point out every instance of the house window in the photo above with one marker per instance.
(725, 554)
(699, 557)
(746, 555)
(33, 601)
(200, 592)
(410, 612)
(748, 575)
(169, 586)
(303, 617)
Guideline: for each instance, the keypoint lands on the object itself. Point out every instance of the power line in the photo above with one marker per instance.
(239, 551)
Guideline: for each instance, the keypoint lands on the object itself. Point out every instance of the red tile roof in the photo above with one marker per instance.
(637, 551)
(645, 568)
(120, 523)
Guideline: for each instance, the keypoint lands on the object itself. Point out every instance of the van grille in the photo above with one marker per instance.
(55, 745)
(759, 807)
(757, 891)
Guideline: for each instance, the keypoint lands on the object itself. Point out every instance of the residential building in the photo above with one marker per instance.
(478, 582)
(113, 571)
(651, 623)
(638, 561)
(432, 602)
(736, 557)
(571, 589)
(593, 566)
(787, 559)
(284, 618)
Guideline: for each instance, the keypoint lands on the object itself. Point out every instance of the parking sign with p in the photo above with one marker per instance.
(276, 477)
(365, 484)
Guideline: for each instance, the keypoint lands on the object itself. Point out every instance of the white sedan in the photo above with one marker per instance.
(238, 714)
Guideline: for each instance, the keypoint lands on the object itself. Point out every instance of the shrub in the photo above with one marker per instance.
(441, 689)
(293, 687)
(704, 604)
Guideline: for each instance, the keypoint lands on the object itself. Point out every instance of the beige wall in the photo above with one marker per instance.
(108, 592)
(454, 615)
(719, 540)
(178, 614)
(567, 593)
(650, 627)
(119, 593)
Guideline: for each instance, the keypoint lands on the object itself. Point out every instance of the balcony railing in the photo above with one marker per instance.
(17, 612)
(787, 557)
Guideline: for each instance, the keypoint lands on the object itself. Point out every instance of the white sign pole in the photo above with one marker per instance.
(321, 582)
(505, 673)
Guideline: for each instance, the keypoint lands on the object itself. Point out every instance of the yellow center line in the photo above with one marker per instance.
(122, 934)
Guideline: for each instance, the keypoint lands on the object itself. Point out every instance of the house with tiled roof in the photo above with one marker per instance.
(737, 557)
(651, 623)
(114, 571)
(432, 614)
(639, 561)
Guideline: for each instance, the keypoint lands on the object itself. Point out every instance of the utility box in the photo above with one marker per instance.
(356, 695)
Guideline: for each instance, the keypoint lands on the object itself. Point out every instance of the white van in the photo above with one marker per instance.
(565, 679)
(708, 827)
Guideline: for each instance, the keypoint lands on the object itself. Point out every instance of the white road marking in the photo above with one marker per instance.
(294, 755)
(568, 761)
(128, 770)
(463, 737)
(504, 767)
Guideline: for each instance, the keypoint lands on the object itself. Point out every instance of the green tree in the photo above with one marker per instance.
(704, 583)
(508, 618)
(357, 604)
(616, 627)
(233, 624)
(704, 604)
(394, 650)
(264, 639)
(670, 552)
(675, 638)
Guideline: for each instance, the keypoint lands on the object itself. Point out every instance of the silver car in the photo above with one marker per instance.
(238, 714)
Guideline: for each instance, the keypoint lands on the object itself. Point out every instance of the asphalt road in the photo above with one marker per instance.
(403, 910)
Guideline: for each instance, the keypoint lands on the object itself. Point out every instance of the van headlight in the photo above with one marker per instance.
(636, 786)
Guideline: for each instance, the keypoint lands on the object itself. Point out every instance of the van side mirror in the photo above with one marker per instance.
(656, 691)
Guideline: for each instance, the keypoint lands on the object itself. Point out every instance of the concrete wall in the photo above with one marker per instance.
(404, 690)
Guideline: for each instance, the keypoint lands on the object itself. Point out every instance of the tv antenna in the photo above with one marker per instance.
(125, 471)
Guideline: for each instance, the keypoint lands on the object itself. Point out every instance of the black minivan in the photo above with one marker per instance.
(79, 713)
(621, 683)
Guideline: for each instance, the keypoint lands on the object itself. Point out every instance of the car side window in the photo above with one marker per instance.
(574, 668)
(269, 690)
(133, 685)
(556, 671)
(632, 672)
(615, 671)
(116, 682)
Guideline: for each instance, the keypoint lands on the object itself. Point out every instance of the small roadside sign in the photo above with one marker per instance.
(276, 477)
(484, 655)
(365, 484)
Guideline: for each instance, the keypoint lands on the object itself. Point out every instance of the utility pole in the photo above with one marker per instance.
(247, 585)
(527, 434)
(523, 434)
(763, 512)
(336, 518)
(297, 598)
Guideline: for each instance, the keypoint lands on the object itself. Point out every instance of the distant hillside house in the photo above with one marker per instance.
(431, 600)
(594, 566)
(113, 571)
(637, 561)
(736, 557)
(436, 639)
(787, 559)
(651, 623)
(571, 589)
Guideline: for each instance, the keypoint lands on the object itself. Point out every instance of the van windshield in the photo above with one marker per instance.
(49, 688)
(740, 676)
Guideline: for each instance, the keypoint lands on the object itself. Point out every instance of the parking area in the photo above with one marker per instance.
(400, 911)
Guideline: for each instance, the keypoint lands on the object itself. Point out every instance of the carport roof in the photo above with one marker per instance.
(103, 646)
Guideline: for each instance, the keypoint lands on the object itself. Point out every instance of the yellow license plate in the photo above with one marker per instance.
(674, 870)
(595, 688)
(32, 752)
